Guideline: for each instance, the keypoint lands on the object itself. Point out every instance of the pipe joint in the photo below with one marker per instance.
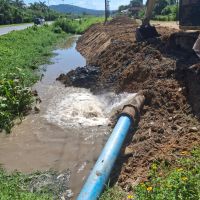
(132, 109)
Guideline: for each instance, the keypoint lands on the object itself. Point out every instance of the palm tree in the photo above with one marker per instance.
(18, 3)
(5, 11)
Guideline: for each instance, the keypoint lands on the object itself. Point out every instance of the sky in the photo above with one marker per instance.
(93, 4)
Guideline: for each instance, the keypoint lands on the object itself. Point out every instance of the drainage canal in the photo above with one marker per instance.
(69, 131)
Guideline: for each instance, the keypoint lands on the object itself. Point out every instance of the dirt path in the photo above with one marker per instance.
(171, 24)
(166, 70)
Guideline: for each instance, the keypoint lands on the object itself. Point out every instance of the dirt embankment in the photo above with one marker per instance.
(167, 69)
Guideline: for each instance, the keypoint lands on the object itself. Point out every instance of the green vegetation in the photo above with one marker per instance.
(165, 10)
(180, 181)
(15, 186)
(46, 185)
(15, 99)
(15, 11)
(173, 183)
(133, 8)
(114, 193)
(77, 26)
(20, 53)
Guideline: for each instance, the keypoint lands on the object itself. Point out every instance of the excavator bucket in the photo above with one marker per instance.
(146, 32)
(196, 47)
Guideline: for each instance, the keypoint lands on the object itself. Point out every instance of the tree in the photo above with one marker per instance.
(122, 7)
(18, 3)
(136, 3)
(14, 11)
(171, 2)
(160, 5)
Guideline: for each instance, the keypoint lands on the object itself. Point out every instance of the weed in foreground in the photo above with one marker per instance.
(47, 185)
(180, 181)
(21, 52)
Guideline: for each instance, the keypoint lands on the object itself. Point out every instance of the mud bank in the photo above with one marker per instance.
(167, 70)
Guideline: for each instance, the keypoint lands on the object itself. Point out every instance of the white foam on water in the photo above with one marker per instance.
(79, 107)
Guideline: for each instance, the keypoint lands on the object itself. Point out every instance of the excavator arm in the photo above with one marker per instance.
(196, 47)
(146, 31)
(148, 13)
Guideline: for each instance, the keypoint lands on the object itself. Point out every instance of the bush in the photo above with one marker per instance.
(57, 29)
(77, 26)
(178, 183)
(165, 18)
(141, 13)
(67, 25)
(15, 99)
(170, 10)
(20, 53)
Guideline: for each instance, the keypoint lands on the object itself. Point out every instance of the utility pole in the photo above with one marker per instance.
(107, 10)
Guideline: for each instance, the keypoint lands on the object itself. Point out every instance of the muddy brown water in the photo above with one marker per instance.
(69, 131)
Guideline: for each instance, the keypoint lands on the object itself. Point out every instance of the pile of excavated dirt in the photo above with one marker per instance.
(167, 70)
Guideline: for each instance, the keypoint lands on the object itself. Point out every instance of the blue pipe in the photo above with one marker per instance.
(102, 169)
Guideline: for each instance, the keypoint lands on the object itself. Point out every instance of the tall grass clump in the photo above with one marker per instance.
(77, 26)
(21, 52)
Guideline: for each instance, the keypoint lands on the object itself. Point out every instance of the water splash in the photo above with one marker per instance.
(79, 107)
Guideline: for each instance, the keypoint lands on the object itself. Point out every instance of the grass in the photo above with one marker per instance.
(21, 52)
(76, 26)
(180, 181)
(46, 185)
(113, 193)
(15, 186)
(165, 18)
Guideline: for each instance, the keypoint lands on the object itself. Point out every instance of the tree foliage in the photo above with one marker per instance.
(165, 10)
(16, 11)
(122, 7)
(160, 5)
(136, 3)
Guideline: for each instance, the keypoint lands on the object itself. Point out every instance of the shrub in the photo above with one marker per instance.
(15, 100)
(165, 17)
(170, 10)
(20, 53)
(57, 29)
(76, 26)
(178, 183)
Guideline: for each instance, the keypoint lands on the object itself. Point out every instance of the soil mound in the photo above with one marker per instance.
(168, 70)
(98, 38)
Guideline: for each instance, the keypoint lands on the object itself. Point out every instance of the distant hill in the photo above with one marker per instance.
(66, 8)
